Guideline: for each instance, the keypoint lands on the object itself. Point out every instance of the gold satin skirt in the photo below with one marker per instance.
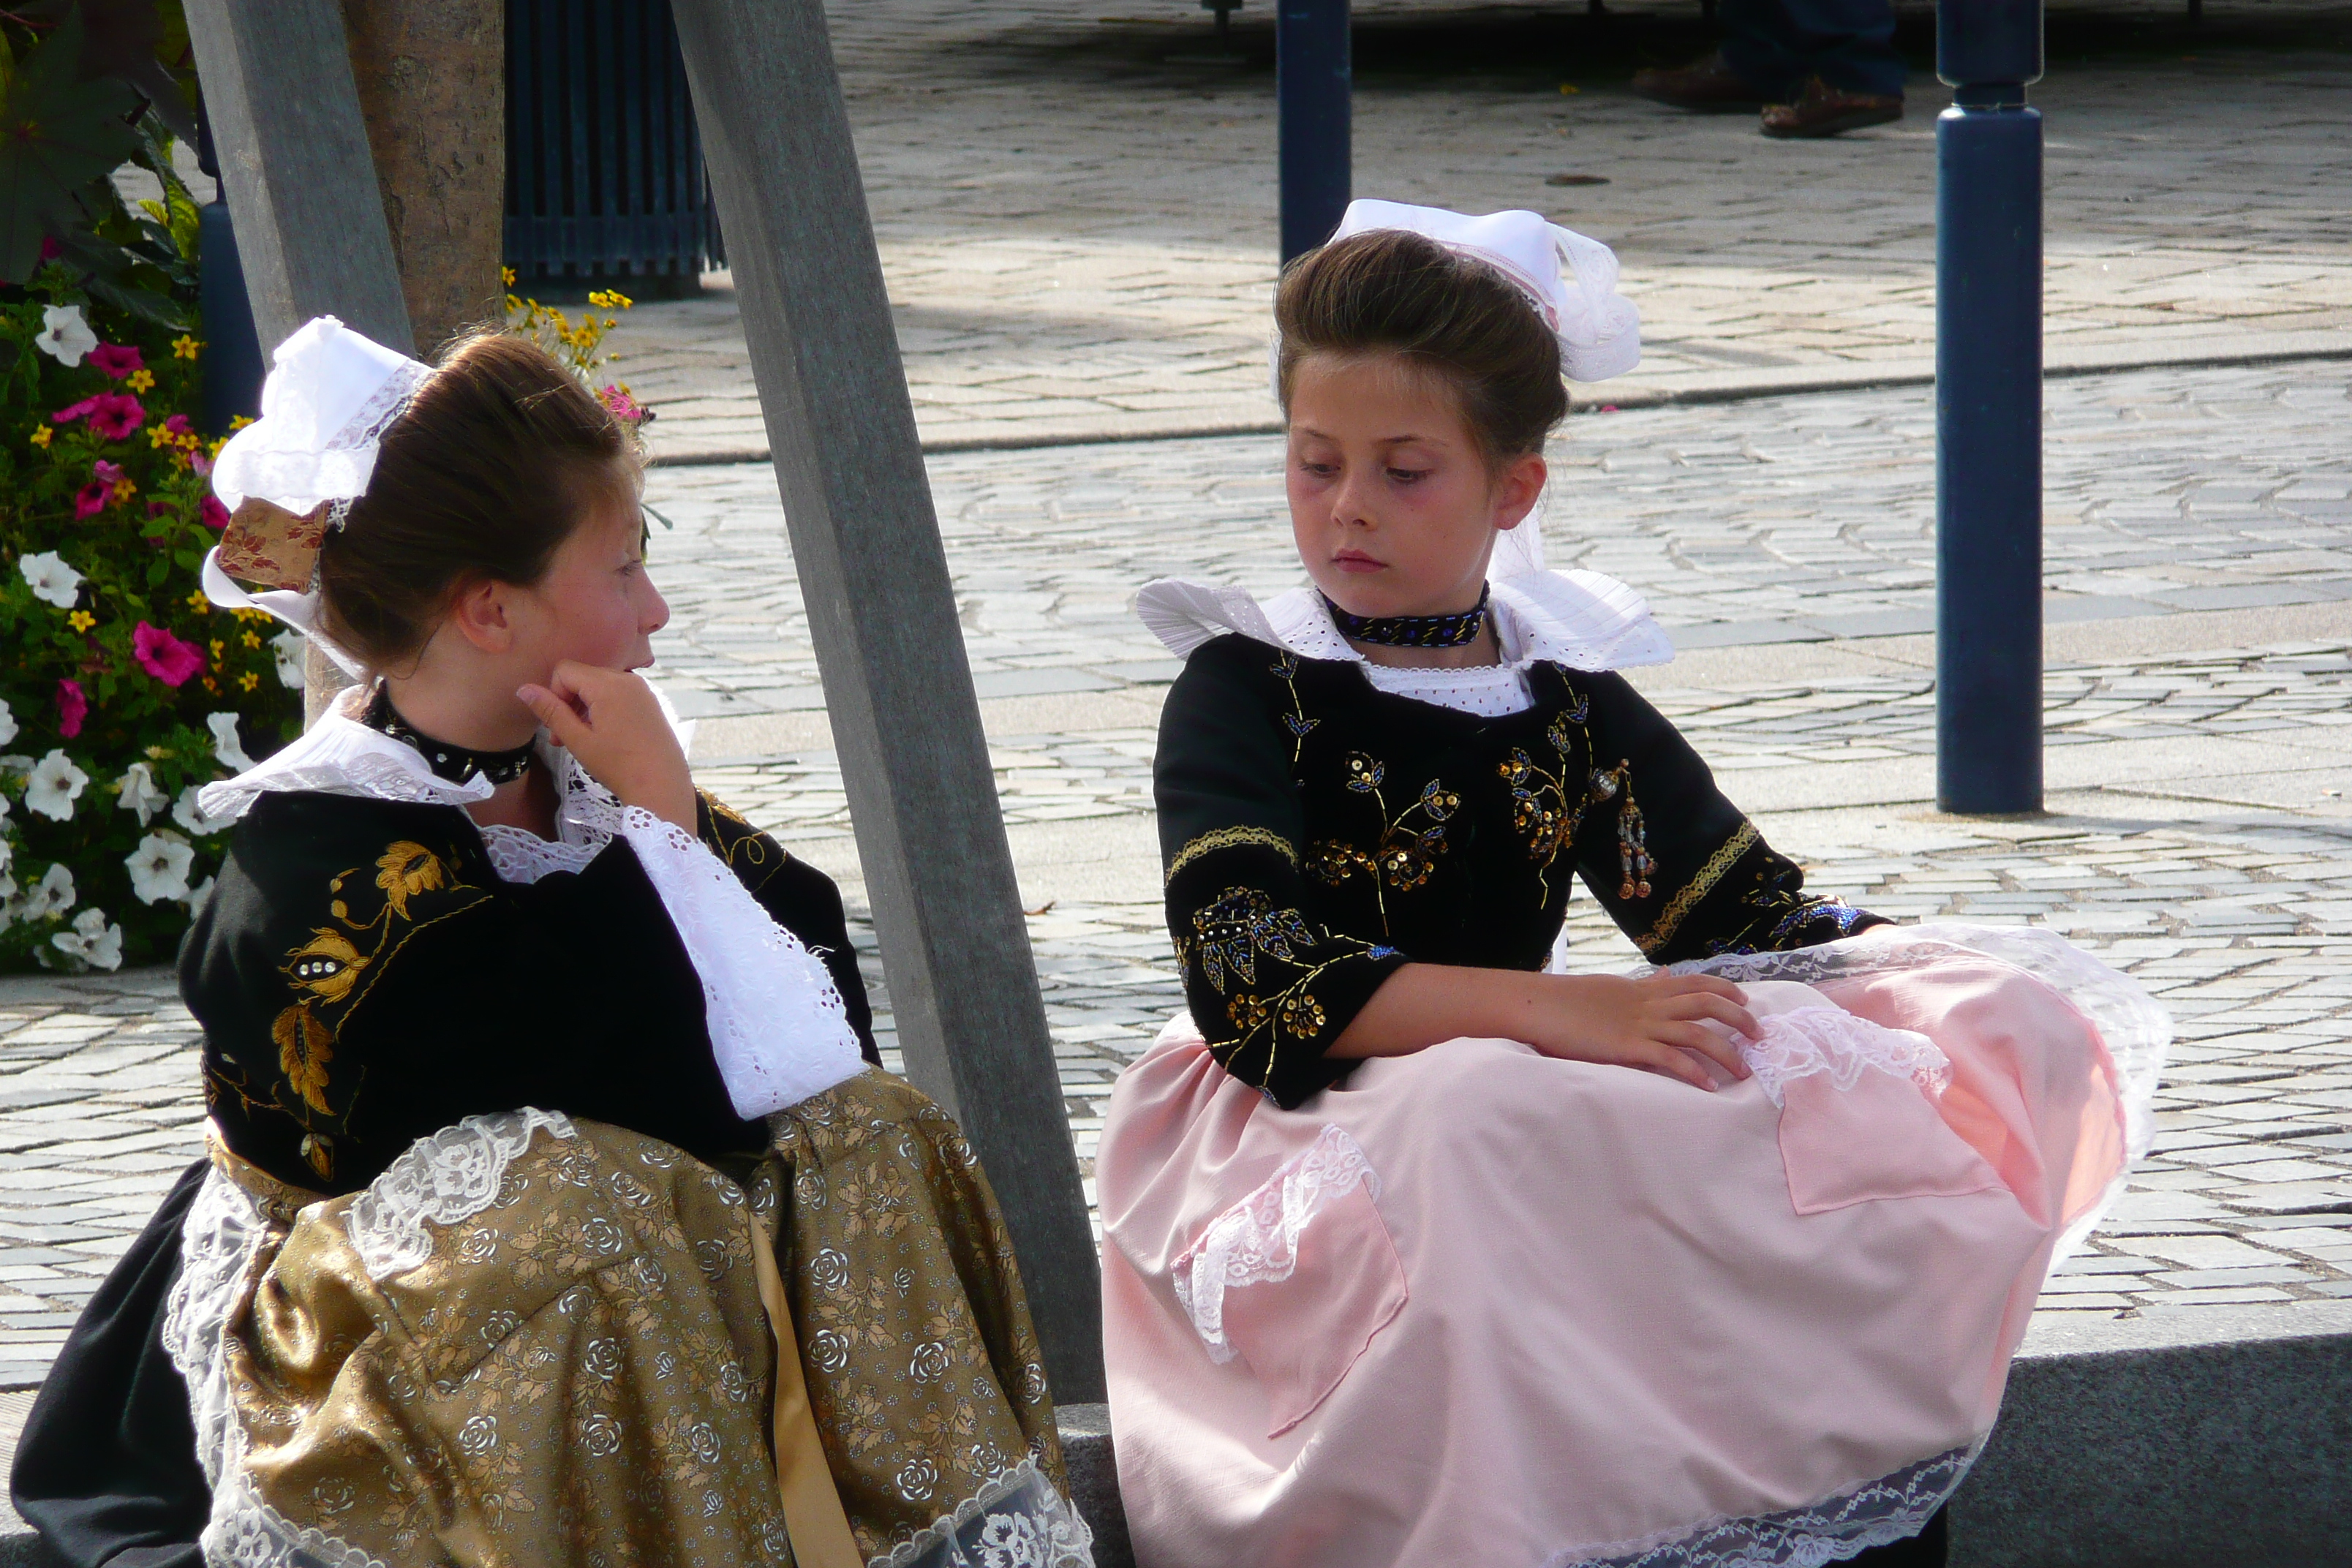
(540, 1342)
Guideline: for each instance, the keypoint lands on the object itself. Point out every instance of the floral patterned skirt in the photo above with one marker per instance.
(536, 1340)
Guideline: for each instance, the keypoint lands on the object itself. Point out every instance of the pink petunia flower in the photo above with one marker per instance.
(113, 416)
(111, 473)
(91, 499)
(166, 658)
(72, 708)
(116, 360)
(214, 515)
(178, 426)
(198, 459)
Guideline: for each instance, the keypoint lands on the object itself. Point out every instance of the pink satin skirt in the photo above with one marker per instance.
(1478, 1305)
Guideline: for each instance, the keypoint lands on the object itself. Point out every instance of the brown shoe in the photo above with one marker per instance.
(1824, 110)
(1703, 87)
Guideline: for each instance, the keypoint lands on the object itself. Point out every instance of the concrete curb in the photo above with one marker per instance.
(1825, 379)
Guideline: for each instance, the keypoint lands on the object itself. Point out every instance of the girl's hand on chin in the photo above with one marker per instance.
(610, 721)
(1660, 1023)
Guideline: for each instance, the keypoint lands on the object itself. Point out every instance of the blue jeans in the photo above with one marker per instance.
(1776, 43)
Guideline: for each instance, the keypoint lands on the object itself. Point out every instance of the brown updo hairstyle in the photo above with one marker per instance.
(499, 458)
(1453, 316)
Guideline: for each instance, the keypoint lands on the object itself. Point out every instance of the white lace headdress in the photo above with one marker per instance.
(330, 395)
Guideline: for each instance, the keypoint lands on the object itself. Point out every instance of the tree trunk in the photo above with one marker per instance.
(431, 81)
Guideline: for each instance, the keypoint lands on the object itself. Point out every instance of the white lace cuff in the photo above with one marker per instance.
(777, 1024)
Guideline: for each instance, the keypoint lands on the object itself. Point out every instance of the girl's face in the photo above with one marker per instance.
(595, 604)
(1393, 505)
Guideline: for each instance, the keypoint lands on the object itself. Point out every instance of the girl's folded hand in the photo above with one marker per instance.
(611, 721)
(1661, 1023)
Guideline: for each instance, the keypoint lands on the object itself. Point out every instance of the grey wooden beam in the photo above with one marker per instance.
(898, 689)
(296, 169)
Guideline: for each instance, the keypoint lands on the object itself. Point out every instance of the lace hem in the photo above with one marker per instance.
(1808, 1040)
(778, 1030)
(217, 1242)
(1257, 1241)
(442, 1180)
(1879, 1514)
(1017, 1521)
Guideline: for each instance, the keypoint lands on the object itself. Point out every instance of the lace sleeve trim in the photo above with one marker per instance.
(1257, 1241)
(778, 1028)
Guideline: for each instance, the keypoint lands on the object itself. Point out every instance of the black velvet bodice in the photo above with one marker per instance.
(1318, 834)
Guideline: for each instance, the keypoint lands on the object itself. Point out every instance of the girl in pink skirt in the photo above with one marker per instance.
(1403, 1264)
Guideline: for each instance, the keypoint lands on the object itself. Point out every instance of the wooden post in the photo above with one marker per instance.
(898, 689)
(431, 76)
(302, 188)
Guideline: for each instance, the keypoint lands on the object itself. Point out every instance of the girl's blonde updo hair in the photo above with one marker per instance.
(1392, 292)
(500, 456)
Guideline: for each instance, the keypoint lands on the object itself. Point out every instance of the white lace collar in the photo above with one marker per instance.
(1581, 620)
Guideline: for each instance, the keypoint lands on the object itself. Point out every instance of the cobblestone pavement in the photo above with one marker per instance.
(1786, 519)
(1078, 229)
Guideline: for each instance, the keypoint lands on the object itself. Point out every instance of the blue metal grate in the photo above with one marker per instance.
(606, 184)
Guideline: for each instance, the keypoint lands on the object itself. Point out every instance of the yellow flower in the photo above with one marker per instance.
(238, 422)
(507, 276)
(212, 686)
(220, 647)
(184, 347)
(159, 437)
(124, 489)
(198, 602)
(251, 638)
(40, 438)
(142, 381)
(81, 620)
(249, 680)
(406, 869)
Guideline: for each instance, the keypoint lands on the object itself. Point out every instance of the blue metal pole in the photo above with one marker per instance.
(1988, 409)
(1312, 76)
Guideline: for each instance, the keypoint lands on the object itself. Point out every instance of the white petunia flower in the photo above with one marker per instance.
(141, 794)
(53, 895)
(225, 743)
(65, 337)
(52, 581)
(189, 813)
(288, 646)
(197, 895)
(53, 786)
(92, 940)
(159, 868)
(7, 724)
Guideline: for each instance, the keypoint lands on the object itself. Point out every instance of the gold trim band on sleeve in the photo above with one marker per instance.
(1742, 839)
(1218, 838)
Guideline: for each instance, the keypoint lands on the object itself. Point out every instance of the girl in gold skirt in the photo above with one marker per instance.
(557, 1210)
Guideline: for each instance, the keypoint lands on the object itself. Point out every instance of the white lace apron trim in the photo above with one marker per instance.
(1876, 1513)
(442, 1180)
(1808, 1040)
(217, 1242)
(1257, 1241)
(1017, 1521)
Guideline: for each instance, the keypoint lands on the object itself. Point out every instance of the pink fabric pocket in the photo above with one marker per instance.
(1297, 1279)
(1880, 1139)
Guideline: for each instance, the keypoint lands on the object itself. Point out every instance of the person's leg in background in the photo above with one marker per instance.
(1815, 68)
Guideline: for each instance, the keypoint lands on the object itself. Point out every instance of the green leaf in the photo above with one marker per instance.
(56, 132)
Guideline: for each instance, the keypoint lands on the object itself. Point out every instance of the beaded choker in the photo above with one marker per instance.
(455, 765)
(1412, 631)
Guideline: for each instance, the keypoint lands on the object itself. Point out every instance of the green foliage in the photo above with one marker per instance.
(121, 690)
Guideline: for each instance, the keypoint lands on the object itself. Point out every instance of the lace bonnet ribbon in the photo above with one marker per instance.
(292, 475)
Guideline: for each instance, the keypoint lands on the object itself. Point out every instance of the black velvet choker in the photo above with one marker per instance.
(1412, 631)
(454, 763)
